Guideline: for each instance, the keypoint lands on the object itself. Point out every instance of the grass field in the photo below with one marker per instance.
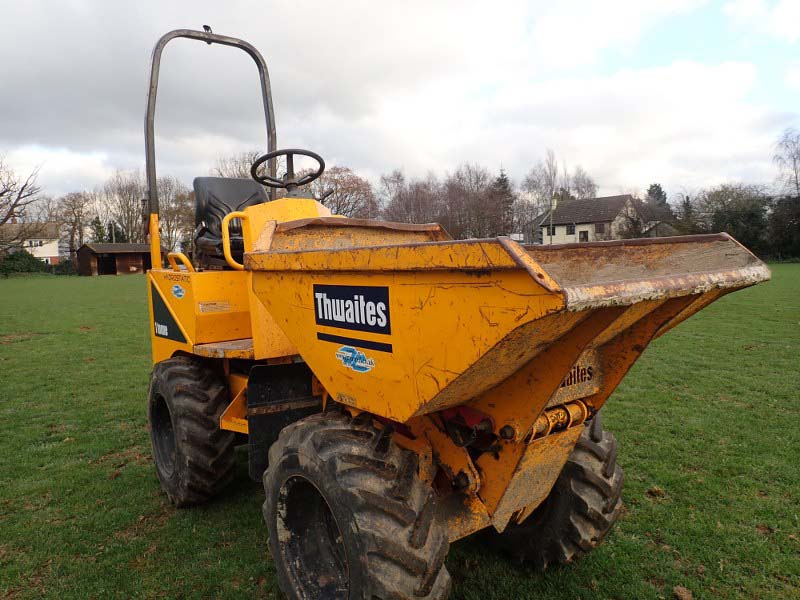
(707, 422)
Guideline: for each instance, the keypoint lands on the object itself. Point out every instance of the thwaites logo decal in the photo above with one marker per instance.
(354, 359)
(164, 325)
(178, 291)
(578, 374)
(353, 308)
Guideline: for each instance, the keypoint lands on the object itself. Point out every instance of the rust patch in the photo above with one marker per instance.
(765, 529)
(119, 459)
(146, 524)
(32, 581)
(13, 338)
(681, 593)
(129, 454)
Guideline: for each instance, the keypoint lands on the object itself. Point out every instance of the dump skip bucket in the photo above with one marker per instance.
(411, 328)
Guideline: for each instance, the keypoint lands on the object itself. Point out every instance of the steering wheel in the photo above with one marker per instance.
(290, 180)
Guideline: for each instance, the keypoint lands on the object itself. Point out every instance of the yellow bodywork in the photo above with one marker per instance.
(215, 311)
(402, 322)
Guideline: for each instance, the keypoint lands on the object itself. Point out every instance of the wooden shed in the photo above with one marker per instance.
(113, 259)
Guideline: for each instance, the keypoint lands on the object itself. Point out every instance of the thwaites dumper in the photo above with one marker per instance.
(398, 390)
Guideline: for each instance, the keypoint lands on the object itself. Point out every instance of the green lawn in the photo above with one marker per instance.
(707, 421)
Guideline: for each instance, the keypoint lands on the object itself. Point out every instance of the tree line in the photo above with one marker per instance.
(470, 202)
(113, 212)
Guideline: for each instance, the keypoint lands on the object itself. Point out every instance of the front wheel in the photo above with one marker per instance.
(576, 516)
(194, 458)
(348, 516)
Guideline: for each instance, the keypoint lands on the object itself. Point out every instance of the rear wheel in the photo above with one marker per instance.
(348, 516)
(194, 458)
(584, 503)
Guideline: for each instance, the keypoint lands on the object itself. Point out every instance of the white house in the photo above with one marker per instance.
(589, 220)
(39, 239)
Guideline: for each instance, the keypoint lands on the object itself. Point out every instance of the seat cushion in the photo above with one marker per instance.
(215, 197)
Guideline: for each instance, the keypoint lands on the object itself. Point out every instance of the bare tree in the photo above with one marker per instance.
(468, 203)
(464, 203)
(236, 165)
(542, 185)
(546, 180)
(411, 201)
(526, 211)
(176, 212)
(46, 209)
(392, 186)
(542, 182)
(75, 214)
(17, 194)
(582, 186)
(787, 157)
(124, 192)
(351, 195)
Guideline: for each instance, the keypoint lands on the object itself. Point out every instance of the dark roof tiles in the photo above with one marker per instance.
(102, 248)
(591, 210)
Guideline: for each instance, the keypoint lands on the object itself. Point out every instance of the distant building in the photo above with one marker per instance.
(593, 219)
(38, 239)
(113, 259)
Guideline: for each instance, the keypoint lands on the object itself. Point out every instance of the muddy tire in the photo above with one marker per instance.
(584, 503)
(194, 458)
(348, 516)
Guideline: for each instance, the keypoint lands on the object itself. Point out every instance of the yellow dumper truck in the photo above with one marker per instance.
(398, 390)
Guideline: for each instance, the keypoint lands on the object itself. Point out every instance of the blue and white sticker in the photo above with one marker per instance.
(178, 291)
(354, 359)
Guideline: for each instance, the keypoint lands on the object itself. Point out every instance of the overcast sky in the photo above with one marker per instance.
(687, 93)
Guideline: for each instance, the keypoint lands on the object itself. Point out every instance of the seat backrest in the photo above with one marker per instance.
(215, 197)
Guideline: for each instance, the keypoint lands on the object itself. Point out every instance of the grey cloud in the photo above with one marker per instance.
(74, 77)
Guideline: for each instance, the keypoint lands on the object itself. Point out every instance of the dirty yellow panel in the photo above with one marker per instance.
(278, 211)
(163, 348)
(441, 323)
(534, 475)
(210, 306)
(269, 340)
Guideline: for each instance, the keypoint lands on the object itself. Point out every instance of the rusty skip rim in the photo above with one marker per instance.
(678, 239)
(678, 284)
(506, 242)
(519, 259)
(339, 222)
(630, 291)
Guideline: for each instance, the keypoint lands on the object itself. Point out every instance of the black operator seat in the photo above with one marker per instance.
(215, 197)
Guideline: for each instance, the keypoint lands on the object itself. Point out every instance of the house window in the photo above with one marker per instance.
(583, 236)
(550, 230)
(599, 227)
(570, 229)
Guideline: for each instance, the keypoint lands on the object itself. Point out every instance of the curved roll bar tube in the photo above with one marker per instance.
(208, 37)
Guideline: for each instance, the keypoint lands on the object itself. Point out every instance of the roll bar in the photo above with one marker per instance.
(149, 136)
